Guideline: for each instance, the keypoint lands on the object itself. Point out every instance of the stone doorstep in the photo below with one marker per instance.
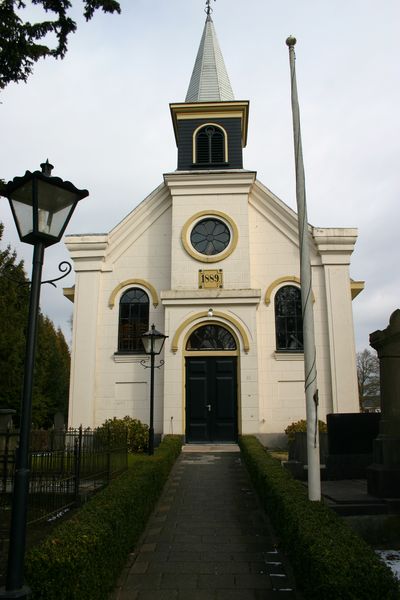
(211, 448)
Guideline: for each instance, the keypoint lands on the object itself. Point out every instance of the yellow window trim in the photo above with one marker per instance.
(218, 126)
(274, 285)
(129, 282)
(215, 257)
(204, 315)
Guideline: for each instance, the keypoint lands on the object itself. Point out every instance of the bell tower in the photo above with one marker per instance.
(210, 126)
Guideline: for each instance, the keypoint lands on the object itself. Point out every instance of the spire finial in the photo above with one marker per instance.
(208, 8)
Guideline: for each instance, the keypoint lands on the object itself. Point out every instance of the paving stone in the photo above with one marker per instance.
(181, 567)
(178, 581)
(147, 547)
(197, 595)
(253, 581)
(236, 595)
(146, 581)
(152, 556)
(215, 582)
(127, 595)
(154, 531)
(139, 567)
(179, 556)
(231, 567)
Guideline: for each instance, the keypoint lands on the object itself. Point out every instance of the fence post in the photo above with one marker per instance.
(126, 447)
(5, 460)
(108, 453)
(77, 463)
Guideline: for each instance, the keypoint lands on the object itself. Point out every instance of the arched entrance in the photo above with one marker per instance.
(211, 385)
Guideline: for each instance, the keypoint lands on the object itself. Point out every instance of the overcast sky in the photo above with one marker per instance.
(102, 118)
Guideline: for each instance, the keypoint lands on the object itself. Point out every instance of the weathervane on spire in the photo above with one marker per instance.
(208, 8)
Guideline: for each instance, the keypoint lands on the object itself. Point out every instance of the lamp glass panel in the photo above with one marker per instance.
(157, 339)
(21, 200)
(146, 339)
(54, 207)
(158, 344)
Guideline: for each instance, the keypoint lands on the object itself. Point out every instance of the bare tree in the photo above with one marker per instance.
(367, 375)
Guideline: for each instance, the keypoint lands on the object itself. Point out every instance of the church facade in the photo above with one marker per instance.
(211, 257)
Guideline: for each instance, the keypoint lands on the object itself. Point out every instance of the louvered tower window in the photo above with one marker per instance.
(210, 142)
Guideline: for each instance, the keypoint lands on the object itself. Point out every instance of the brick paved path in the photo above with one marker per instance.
(207, 539)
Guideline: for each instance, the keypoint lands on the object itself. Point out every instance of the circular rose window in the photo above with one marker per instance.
(210, 236)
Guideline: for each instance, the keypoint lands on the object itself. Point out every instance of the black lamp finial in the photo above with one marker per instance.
(47, 168)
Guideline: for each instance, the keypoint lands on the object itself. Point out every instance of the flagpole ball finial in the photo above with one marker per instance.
(291, 41)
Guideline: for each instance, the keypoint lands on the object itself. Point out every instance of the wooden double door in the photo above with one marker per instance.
(211, 399)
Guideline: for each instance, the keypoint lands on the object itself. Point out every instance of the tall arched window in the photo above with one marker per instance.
(211, 337)
(288, 319)
(210, 145)
(133, 320)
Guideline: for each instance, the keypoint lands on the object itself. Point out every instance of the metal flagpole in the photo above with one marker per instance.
(310, 371)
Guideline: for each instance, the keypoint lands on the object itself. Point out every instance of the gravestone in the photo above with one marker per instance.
(384, 473)
(350, 444)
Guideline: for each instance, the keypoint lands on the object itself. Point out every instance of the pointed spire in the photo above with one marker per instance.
(209, 81)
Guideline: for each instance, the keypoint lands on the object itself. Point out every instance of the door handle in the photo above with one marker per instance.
(209, 407)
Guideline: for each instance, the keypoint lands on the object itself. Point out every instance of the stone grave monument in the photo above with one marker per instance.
(384, 473)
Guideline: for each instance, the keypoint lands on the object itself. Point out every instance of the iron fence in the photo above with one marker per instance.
(65, 468)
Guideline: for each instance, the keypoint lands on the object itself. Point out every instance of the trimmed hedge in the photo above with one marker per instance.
(85, 555)
(330, 561)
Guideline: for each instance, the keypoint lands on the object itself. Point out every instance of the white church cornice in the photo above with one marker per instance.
(87, 251)
(187, 183)
(335, 244)
(217, 296)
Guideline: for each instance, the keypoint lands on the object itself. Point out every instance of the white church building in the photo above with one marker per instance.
(211, 257)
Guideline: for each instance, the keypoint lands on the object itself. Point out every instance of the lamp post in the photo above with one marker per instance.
(153, 342)
(42, 206)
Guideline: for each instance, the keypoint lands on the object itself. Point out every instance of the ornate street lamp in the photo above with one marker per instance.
(153, 342)
(42, 206)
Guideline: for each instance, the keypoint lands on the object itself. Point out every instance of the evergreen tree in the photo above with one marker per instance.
(51, 376)
(14, 300)
(51, 381)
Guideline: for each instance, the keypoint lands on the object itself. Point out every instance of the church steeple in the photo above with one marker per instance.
(209, 81)
(210, 126)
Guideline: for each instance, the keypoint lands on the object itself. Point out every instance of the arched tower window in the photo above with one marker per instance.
(210, 145)
(211, 337)
(288, 319)
(133, 320)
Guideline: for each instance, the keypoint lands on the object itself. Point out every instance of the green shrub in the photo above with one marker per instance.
(84, 556)
(302, 426)
(136, 431)
(330, 561)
